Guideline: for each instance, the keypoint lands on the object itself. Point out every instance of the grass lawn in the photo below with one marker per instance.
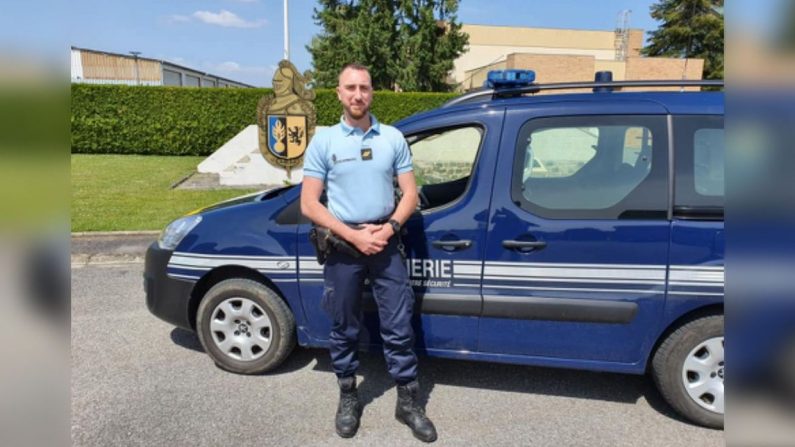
(132, 192)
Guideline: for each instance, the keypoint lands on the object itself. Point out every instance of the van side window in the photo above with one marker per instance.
(700, 161)
(443, 162)
(592, 167)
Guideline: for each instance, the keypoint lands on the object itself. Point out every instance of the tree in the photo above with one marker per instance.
(410, 44)
(785, 29)
(690, 28)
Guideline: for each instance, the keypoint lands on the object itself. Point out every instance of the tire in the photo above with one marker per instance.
(688, 369)
(245, 327)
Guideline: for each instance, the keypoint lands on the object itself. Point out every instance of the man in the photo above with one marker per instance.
(355, 161)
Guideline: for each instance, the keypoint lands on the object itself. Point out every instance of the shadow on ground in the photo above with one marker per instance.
(375, 381)
(296, 361)
(611, 387)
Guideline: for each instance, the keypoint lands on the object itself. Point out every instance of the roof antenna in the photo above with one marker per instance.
(621, 42)
(687, 49)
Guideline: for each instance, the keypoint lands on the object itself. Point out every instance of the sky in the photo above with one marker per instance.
(243, 39)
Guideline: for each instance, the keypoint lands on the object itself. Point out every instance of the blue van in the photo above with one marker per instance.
(574, 230)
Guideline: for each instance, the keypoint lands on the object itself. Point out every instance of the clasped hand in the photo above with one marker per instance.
(371, 239)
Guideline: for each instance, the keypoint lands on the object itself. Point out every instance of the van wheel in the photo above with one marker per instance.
(688, 369)
(245, 327)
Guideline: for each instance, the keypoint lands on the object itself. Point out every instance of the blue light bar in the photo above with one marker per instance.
(509, 78)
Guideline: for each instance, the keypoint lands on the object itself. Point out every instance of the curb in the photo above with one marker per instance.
(115, 233)
(110, 247)
(82, 260)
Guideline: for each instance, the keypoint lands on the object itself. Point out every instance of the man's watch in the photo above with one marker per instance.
(395, 225)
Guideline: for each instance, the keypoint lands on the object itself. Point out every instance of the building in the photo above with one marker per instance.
(102, 67)
(563, 55)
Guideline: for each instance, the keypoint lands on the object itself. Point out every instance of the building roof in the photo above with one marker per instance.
(164, 62)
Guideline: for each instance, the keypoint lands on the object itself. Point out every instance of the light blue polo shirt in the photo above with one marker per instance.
(357, 168)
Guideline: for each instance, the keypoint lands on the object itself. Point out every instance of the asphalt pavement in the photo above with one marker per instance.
(137, 380)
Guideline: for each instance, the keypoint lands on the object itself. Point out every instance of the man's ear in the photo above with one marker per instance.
(338, 93)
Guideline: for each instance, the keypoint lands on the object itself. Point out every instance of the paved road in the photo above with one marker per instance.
(139, 381)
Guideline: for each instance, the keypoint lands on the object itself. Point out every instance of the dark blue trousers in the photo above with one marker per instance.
(342, 296)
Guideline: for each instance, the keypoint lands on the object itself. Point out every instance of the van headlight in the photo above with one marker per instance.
(175, 231)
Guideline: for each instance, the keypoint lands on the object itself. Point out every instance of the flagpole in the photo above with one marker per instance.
(286, 35)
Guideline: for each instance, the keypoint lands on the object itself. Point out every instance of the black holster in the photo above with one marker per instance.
(325, 242)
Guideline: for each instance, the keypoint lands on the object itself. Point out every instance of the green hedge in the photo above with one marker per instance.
(195, 121)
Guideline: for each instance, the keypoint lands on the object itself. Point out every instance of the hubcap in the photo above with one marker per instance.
(702, 374)
(241, 329)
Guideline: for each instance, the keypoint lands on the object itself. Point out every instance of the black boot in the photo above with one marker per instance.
(409, 412)
(349, 410)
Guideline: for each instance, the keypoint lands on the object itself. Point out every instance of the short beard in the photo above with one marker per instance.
(358, 116)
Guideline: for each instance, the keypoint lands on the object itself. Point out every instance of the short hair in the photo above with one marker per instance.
(354, 66)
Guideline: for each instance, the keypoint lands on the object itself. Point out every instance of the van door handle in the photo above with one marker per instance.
(458, 244)
(523, 245)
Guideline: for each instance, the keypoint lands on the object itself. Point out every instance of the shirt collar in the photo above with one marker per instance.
(375, 126)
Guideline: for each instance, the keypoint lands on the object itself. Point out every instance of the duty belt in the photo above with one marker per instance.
(324, 241)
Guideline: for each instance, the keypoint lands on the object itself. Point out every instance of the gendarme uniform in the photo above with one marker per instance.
(357, 168)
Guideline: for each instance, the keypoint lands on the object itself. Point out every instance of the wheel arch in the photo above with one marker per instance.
(694, 314)
(223, 273)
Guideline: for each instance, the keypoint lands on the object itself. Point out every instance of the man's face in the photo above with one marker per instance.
(355, 92)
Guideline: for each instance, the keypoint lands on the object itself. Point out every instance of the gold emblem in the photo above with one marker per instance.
(286, 119)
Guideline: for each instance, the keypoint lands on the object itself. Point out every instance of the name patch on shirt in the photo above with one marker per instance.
(335, 160)
(367, 153)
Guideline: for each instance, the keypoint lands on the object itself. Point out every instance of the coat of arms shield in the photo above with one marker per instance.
(287, 135)
(287, 119)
